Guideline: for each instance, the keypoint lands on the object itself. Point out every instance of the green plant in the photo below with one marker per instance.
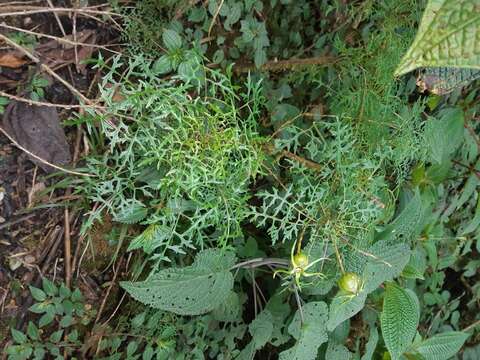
(56, 332)
(340, 171)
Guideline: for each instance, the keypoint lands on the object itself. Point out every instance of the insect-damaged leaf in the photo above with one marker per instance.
(191, 290)
(309, 335)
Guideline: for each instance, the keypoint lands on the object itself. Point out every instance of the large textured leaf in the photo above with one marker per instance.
(442, 80)
(343, 307)
(441, 346)
(191, 290)
(399, 319)
(309, 335)
(447, 37)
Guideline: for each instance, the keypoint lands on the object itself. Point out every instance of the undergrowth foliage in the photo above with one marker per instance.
(281, 212)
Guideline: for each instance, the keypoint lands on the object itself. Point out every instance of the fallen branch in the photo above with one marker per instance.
(283, 65)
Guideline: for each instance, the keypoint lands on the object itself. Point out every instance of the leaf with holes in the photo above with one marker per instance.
(309, 335)
(399, 319)
(447, 37)
(192, 290)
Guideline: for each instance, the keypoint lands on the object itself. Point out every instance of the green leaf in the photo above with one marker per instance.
(309, 335)
(46, 319)
(171, 39)
(77, 296)
(371, 344)
(131, 213)
(337, 352)
(32, 331)
(261, 329)
(148, 353)
(37, 293)
(66, 321)
(191, 290)
(343, 307)
(260, 57)
(49, 287)
(233, 16)
(163, 65)
(151, 238)
(56, 336)
(64, 292)
(441, 346)
(39, 353)
(18, 336)
(444, 135)
(446, 37)
(399, 319)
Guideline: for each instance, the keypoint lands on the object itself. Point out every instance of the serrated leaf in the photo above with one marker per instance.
(171, 39)
(446, 37)
(309, 335)
(441, 346)
(191, 290)
(49, 287)
(399, 319)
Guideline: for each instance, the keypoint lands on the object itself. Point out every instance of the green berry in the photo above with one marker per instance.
(300, 260)
(350, 283)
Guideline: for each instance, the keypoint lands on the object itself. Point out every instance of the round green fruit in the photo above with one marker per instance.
(350, 283)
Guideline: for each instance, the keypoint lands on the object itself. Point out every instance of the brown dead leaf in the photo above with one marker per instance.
(54, 53)
(38, 129)
(12, 60)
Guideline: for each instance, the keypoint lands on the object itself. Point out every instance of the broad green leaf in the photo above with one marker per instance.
(371, 344)
(131, 213)
(399, 319)
(32, 331)
(443, 136)
(46, 319)
(191, 290)
(56, 336)
(337, 352)
(343, 307)
(163, 65)
(171, 39)
(49, 287)
(261, 329)
(446, 37)
(309, 335)
(37, 293)
(441, 346)
(18, 336)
